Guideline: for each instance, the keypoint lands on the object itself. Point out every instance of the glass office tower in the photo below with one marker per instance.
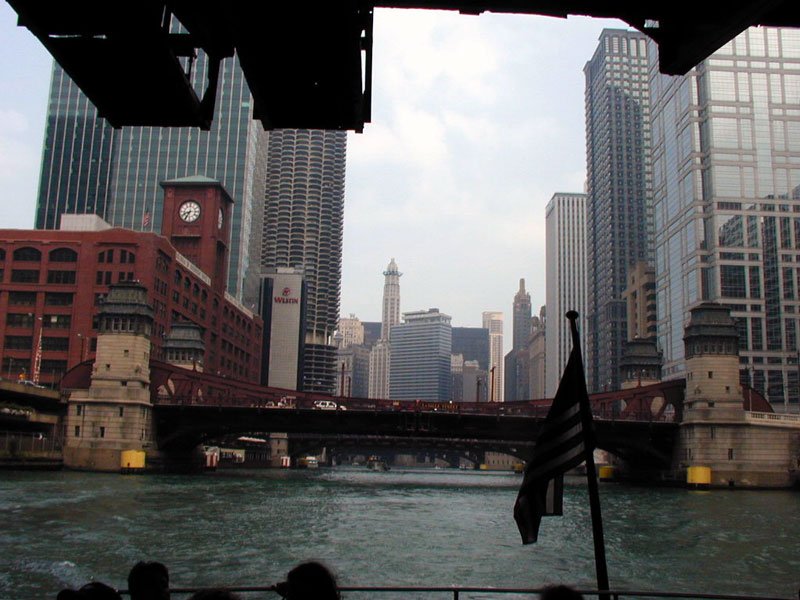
(726, 173)
(420, 367)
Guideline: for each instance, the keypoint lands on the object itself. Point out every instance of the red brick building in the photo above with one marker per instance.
(52, 282)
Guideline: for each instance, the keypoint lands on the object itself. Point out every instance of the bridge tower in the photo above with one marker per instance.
(732, 447)
(711, 344)
(640, 364)
(115, 413)
(713, 431)
(184, 346)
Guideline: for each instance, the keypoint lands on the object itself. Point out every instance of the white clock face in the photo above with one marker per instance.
(219, 219)
(189, 211)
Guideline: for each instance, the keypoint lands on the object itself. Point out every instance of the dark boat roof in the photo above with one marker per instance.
(123, 57)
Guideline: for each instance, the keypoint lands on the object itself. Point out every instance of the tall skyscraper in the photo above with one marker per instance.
(619, 220)
(89, 167)
(726, 165)
(516, 361)
(493, 321)
(380, 355)
(473, 344)
(302, 228)
(421, 347)
(522, 317)
(537, 352)
(565, 281)
(282, 306)
(352, 372)
(391, 299)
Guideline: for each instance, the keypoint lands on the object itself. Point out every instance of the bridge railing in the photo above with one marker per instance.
(534, 409)
(778, 419)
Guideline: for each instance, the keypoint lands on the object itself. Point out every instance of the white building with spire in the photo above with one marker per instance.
(493, 321)
(380, 356)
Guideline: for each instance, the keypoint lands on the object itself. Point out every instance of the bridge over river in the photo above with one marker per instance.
(644, 426)
(640, 425)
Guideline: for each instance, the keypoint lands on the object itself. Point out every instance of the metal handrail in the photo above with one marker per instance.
(456, 592)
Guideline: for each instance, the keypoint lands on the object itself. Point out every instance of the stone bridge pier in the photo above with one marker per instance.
(738, 446)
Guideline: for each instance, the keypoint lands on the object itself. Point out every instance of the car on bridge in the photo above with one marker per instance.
(328, 405)
(283, 402)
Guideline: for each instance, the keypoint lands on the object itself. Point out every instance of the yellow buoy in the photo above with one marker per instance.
(131, 461)
(698, 476)
(606, 473)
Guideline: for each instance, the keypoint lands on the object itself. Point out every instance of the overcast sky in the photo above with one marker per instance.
(476, 122)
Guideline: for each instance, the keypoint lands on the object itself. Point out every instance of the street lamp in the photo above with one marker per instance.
(83, 346)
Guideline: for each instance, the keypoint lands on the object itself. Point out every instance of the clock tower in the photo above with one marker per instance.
(196, 220)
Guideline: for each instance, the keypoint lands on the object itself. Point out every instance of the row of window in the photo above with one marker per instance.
(106, 277)
(25, 342)
(30, 254)
(27, 320)
(50, 298)
(32, 276)
(125, 256)
(187, 283)
(52, 368)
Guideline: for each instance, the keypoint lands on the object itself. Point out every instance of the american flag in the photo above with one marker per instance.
(562, 445)
(146, 219)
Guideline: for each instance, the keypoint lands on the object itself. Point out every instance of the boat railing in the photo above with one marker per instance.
(484, 593)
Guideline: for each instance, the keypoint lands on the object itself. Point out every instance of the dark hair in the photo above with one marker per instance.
(560, 592)
(148, 581)
(94, 590)
(309, 581)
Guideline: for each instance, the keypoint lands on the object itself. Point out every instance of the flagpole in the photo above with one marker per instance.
(591, 474)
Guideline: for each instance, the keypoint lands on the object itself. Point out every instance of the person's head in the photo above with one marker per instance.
(148, 581)
(93, 590)
(560, 592)
(309, 581)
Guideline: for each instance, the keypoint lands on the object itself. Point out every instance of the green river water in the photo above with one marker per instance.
(401, 527)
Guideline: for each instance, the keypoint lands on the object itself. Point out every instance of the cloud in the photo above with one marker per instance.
(415, 51)
(19, 167)
(16, 153)
(412, 136)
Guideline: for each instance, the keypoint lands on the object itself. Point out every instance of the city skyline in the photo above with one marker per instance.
(498, 115)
